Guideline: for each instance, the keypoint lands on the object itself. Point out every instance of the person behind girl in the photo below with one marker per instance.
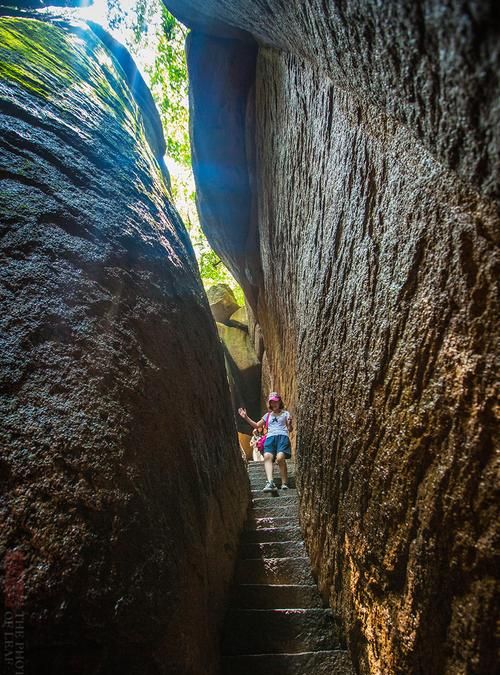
(277, 446)
(256, 453)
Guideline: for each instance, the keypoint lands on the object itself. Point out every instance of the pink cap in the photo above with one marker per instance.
(274, 396)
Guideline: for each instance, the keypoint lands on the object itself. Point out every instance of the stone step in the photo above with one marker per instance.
(275, 596)
(259, 483)
(274, 571)
(261, 475)
(259, 466)
(274, 509)
(335, 662)
(257, 523)
(292, 533)
(273, 549)
(261, 469)
(261, 631)
(253, 465)
(290, 497)
(258, 492)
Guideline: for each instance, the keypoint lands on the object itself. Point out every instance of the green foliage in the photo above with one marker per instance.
(169, 83)
(115, 15)
(212, 269)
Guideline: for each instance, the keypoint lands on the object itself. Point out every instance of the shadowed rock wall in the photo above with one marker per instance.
(120, 470)
(376, 133)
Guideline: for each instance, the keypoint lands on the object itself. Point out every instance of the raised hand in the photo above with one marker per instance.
(242, 412)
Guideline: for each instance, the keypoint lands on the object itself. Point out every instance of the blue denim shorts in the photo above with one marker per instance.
(278, 443)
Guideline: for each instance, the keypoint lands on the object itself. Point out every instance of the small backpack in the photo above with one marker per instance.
(262, 439)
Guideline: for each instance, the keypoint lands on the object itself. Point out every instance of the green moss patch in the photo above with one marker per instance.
(47, 60)
(35, 55)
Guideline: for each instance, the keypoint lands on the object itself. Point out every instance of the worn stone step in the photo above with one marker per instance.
(261, 471)
(334, 662)
(257, 523)
(258, 492)
(260, 631)
(260, 482)
(275, 596)
(291, 533)
(260, 466)
(258, 489)
(274, 509)
(253, 465)
(273, 549)
(290, 497)
(274, 571)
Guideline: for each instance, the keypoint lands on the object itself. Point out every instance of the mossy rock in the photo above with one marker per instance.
(239, 319)
(222, 302)
(239, 347)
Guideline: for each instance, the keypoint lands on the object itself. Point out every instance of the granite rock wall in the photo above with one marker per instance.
(121, 476)
(386, 346)
(375, 181)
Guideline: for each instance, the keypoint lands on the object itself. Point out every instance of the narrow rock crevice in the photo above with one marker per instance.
(276, 619)
(375, 188)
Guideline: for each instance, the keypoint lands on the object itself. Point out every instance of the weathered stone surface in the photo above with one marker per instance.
(120, 511)
(255, 596)
(376, 172)
(239, 348)
(222, 302)
(239, 319)
(244, 372)
(335, 662)
(281, 630)
(386, 332)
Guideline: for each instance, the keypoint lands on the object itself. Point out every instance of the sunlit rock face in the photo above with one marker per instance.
(242, 364)
(121, 476)
(375, 133)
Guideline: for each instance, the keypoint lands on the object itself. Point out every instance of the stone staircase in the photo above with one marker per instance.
(276, 622)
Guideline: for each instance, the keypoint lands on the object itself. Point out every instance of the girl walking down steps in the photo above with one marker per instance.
(278, 423)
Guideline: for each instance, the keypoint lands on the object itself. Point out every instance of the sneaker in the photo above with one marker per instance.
(269, 486)
(284, 486)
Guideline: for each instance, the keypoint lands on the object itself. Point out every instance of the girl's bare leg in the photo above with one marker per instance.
(280, 458)
(268, 465)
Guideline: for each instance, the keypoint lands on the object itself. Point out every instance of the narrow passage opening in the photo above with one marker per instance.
(155, 39)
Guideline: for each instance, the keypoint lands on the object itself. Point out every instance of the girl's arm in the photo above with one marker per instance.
(255, 425)
(289, 422)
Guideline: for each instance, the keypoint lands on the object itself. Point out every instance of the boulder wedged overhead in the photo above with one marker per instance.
(221, 110)
(376, 179)
(429, 64)
(120, 469)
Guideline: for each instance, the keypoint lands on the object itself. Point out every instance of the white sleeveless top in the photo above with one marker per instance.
(277, 423)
